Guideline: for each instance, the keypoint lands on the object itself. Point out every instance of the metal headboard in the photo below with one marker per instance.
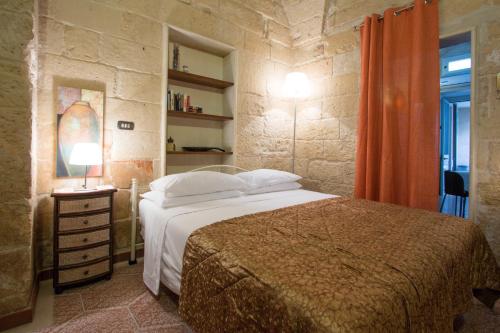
(134, 199)
(133, 220)
(220, 167)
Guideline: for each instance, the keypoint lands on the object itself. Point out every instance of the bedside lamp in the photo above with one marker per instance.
(296, 87)
(86, 154)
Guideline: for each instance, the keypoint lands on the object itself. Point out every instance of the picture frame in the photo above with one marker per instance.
(79, 118)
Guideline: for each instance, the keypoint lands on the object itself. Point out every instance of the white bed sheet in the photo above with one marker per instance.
(165, 231)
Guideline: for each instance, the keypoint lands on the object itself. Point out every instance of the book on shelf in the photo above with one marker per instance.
(178, 101)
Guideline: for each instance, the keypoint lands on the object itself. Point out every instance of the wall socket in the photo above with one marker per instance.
(125, 125)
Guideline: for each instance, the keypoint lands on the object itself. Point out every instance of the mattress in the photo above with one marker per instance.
(166, 231)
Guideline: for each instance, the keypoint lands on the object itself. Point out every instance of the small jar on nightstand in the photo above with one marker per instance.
(83, 237)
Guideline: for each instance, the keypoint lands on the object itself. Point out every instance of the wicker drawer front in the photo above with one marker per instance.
(80, 273)
(83, 239)
(83, 222)
(77, 257)
(83, 205)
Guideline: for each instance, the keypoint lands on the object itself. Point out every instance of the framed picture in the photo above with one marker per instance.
(79, 120)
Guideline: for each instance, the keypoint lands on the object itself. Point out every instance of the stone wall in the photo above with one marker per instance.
(115, 45)
(16, 222)
(486, 128)
(326, 47)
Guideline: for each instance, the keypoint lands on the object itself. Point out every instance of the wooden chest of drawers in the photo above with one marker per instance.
(83, 243)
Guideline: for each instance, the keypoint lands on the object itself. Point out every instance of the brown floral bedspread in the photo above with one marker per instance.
(336, 265)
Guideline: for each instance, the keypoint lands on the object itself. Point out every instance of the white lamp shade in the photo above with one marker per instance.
(296, 85)
(86, 154)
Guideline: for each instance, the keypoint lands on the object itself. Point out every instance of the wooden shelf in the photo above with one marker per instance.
(199, 153)
(198, 79)
(180, 114)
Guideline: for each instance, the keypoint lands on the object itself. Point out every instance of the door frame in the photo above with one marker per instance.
(444, 33)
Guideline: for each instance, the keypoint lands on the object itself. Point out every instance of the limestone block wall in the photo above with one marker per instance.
(326, 47)
(16, 222)
(115, 45)
(328, 51)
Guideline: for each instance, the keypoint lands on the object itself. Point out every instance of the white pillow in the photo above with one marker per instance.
(163, 201)
(275, 188)
(267, 177)
(199, 182)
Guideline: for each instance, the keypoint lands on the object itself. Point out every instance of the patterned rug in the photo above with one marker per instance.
(124, 305)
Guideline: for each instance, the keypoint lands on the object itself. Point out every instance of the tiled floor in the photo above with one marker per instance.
(120, 305)
(124, 305)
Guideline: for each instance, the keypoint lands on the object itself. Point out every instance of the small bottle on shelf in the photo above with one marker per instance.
(170, 145)
(175, 63)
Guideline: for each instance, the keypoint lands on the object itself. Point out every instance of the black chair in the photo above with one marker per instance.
(454, 185)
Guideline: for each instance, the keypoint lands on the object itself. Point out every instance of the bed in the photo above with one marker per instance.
(302, 261)
(182, 221)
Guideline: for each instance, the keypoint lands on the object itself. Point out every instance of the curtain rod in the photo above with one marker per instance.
(396, 13)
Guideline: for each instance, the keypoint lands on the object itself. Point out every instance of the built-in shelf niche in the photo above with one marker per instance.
(212, 153)
(203, 81)
(210, 82)
(203, 116)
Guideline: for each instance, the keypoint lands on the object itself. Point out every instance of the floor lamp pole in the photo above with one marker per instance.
(294, 129)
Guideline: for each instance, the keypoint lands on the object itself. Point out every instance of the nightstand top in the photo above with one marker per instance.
(69, 192)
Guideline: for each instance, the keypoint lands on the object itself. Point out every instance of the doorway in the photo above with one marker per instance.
(455, 124)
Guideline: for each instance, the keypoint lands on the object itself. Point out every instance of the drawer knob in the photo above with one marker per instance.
(86, 205)
(85, 240)
(84, 257)
(86, 272)
(85, 222)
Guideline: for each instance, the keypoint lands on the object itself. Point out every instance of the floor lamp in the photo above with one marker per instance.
(296, 87)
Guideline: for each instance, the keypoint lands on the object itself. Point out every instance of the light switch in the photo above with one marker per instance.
(125, 125)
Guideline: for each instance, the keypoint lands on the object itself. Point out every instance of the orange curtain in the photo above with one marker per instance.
(397, 157)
